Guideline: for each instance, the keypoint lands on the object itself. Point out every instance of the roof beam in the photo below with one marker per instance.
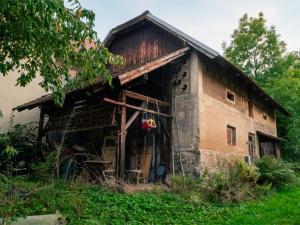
(135, 107)
(145, 98)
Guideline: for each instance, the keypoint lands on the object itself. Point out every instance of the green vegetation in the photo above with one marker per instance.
(275, 172)
(47, 37)
(87, 204)
(16, 145)
(223, 197)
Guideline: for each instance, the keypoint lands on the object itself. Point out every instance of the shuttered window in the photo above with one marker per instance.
(231, 135)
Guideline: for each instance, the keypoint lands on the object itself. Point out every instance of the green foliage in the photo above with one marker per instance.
(184, 184)
(48, 38)
(88, 204)
(280, 208)
(296, 167)
(18, 143)
(286, 89)
(44, 171)
(230, 182)
(254, 47)
(21, 137)
(275, 172)
(9, 152)
(233, 182)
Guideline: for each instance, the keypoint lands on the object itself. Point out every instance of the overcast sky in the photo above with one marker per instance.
(209, 21)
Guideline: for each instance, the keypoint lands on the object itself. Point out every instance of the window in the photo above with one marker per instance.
(265, 116)
(230, 96)
(250, 108)
(231, 135)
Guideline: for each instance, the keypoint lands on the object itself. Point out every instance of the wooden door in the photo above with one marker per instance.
(251, 147)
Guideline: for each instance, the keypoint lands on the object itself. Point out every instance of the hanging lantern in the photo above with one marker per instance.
(148, 123)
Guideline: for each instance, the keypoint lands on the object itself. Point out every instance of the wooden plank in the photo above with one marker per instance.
(133, 74)
(135, 107)
(145, 98)
(91, 128)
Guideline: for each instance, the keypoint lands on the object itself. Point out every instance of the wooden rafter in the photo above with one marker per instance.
(145, 98)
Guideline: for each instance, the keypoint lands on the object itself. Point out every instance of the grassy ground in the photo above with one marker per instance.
(83, 204)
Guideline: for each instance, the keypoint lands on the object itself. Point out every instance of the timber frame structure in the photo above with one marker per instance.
(204, 107)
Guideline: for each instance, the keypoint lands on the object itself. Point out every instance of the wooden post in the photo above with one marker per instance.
(123, 137)
(41, 126)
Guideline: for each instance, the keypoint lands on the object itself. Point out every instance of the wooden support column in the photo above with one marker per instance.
(123, 137)
(41, 126)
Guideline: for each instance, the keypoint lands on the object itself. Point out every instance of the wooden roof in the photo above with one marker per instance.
(193, 43)
(123, 78)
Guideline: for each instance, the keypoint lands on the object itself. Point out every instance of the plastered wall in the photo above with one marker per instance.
(12, 96)
(185, 108)
(216, 112)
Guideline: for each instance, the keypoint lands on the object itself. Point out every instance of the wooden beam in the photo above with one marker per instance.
(123, 137)
(135, 107)
(41, 126)
(134, 116)
(145, 98)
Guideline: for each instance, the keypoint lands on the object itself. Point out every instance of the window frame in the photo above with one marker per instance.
(233, 134)
(231, 93)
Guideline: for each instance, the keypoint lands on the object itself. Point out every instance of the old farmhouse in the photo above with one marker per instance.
(176, 105)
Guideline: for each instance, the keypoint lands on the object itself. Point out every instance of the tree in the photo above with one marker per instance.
(45, 37)
(258, 51)
(286, 89)
(254, 47)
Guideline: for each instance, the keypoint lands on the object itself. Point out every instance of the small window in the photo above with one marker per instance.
(250, 108)
(265, 116)
(230, 96)
(231, 135)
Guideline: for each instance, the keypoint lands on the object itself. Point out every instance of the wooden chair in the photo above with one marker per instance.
(108, 153)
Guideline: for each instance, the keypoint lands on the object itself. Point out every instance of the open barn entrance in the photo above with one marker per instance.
(268, 145)
(122, 132)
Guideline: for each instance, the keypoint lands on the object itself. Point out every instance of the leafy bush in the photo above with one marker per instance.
(229, 182)
(183, 184)
(275, 172)
(232, 183)
(296, 166)
(19, 143)
(44, 171)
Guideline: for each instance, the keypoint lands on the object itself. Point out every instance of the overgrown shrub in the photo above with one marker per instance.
(296, 167)
(275, 172)
(234, 182)
(44, 171)
(183, 184)
(230, 182)
(18, 144)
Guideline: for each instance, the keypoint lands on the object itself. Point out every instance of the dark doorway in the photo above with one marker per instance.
(268, 145)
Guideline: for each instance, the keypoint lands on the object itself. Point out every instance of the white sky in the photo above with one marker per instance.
(209, 21)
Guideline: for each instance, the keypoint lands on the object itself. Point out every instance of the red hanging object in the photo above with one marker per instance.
(148, 124)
